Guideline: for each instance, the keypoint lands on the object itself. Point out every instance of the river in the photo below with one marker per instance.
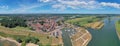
(66, 33)
(106, 36)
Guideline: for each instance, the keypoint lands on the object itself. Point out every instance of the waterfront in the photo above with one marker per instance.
(66, 37)
(76, 35)
(106, 36)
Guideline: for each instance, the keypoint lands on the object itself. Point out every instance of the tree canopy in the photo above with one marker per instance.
(12, 22)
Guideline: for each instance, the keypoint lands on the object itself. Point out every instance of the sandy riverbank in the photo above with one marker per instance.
(118, 35)
(95, 25)
(31, 44)
(117, 26)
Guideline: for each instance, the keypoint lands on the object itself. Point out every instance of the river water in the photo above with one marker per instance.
(106, 36)
(66, 36)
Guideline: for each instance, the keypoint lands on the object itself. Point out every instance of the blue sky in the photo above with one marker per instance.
(60, 6)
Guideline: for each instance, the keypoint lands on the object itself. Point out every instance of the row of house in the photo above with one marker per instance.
(44, 25)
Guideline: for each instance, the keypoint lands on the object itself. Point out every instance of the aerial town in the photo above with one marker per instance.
(59, 22)
(66, 30)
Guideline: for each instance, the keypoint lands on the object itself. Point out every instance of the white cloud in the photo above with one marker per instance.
(44, 0)
(3, 7)
(23, 9)
(62, 7)
(26, 8)
(77, 4)
(115, 5)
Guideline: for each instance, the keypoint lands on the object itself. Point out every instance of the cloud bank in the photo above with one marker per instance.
(57, 6)
(77, 4)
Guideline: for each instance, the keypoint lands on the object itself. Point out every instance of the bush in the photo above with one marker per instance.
(89, 21)
(47, 37)
(23, 44)
(27, 40)
(40, 44)
(19, 40)
(119, 21)
(34, 40)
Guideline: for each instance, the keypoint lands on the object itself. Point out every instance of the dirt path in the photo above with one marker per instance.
(10, 39)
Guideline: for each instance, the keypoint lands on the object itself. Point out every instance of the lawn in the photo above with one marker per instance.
(83, 21)
(118, 28)
(18, 28)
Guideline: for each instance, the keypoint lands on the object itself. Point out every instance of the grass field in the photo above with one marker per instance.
(118, 28)
(18, 28)
(83, 21)
(12, 33)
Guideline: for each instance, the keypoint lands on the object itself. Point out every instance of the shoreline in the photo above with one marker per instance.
(83, 37)
(79, 30)
(118, 34)
(95, 25)
(89, 39)
(117, 30)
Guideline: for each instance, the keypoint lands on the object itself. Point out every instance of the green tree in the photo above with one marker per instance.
(19, 40)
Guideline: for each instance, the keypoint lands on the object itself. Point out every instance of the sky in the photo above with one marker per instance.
(60, 6)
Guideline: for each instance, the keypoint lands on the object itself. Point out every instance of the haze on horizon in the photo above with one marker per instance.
(60, 6)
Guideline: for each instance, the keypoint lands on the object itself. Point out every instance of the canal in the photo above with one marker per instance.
(106, 36)
(66, 33)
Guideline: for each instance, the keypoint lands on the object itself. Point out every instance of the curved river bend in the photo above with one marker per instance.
(106, 36)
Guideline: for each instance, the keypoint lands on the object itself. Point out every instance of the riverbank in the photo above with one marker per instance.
(107, 35)
(79, 35)
(81, 38)
(117, 25)
(92, 22)
(95, 25)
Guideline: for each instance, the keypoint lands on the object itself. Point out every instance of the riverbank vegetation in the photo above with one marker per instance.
(87, 22)
(118, 28)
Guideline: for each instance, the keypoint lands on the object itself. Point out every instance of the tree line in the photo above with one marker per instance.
(12, 22)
